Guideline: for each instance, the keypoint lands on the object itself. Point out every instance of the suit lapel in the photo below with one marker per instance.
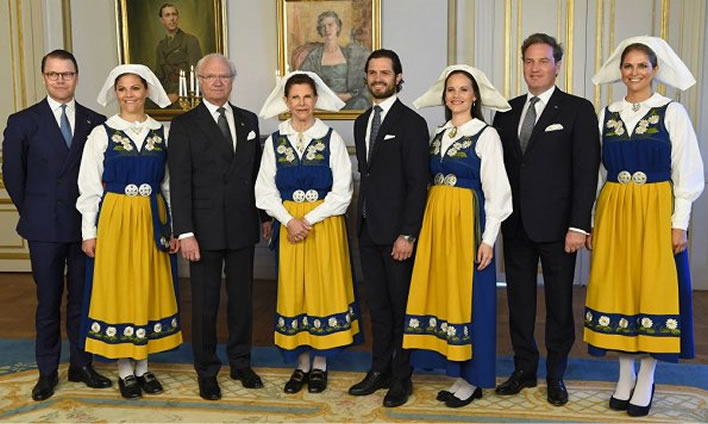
(360, 138)
(81, 130)
(515, 119)
(387, 123)
(46, 117)
(208, 126)
(549, 113)
(241, 140)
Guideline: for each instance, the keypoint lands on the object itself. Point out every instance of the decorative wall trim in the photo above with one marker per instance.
(507, 48)
(599, 23)
(451, 32)
(66, 24)
(519, 62)
(611, 43)
(569, 43)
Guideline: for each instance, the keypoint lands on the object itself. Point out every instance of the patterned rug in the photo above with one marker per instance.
(74, 402)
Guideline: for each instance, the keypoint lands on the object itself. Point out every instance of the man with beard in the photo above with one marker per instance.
(392, 152)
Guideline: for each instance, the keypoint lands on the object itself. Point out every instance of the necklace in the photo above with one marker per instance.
(453, 132)
(636, 106)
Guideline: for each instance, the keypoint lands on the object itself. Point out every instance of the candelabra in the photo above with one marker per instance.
(189, 101)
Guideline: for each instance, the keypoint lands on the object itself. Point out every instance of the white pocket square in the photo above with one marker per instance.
(251, 136)
(554, 127)
(389, 136)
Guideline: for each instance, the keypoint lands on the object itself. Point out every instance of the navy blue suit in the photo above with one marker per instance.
(40, 174)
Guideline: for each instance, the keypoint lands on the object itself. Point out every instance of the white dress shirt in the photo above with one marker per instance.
(492, 173)
(540, 105)
(229, 112)
(385, 107)
(335, 202)
(91, 170)
(686, 163)
(55, 106)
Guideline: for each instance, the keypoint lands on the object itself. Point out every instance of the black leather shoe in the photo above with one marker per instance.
(88, 375)
(149, 384)
(297, 380)
(373, 381)
(454, 402)
(444, 395)
(209, 388)
(317, 382)
(398, 393)
(640, 411)
(518, 380)
(557, 393)
(618, 404)
(44, 389)
(129, 387)
(248, 377)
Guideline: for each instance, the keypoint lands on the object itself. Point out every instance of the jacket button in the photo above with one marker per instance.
(368, 174)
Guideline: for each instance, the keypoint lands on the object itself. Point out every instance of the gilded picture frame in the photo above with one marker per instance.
(332, 38)
(148, 32)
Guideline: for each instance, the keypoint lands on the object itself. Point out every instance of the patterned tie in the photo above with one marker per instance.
(528, 124)
(65, 126)
(224, 127)
(375, 126)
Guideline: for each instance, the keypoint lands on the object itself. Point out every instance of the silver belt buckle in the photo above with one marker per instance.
(312, 195)
(639, 178)
(131, 190)
(624, 177)
(439, 179)
(145, 190)
(450, 180)
(299, 196)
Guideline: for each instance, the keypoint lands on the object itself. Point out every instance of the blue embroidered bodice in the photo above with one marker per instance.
(311, 172)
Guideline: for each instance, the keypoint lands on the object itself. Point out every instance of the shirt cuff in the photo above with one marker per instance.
(682, 214)
(185, 235)
(491, 230)
(578, 230)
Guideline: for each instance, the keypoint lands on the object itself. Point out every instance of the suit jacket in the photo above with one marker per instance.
(211, 186)
(394, 183)
(41, 173)
(553, 183)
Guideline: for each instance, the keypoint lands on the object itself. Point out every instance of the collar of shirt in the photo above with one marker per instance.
(213, 109)
(467, 129)
(655, 100)
(317, 130)
(55, 106)
(385, 106)
(543, 97)
(119, 123)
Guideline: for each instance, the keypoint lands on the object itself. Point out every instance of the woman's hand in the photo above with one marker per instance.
(485, 253)
(174, 245)
(679, 240)
(89, 247)
(265, 229)
(298, 229)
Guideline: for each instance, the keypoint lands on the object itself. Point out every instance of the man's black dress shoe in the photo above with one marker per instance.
(444, 395)
(88, 375)
(398, 393)
(248, 377)
(518, 380)
(557, 393)
(373, 381)
(149, 383)
(317, 382)
(129, 387)
(618, 404)
(44, 389)
(640, 411)
(209, 388)
(454, 402)
(297, 380)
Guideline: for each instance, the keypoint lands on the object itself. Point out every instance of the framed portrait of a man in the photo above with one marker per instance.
(170, 37)
(332, 38)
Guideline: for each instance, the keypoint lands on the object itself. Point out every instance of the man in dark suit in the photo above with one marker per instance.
(392, 154)
(551, 153)
(41, 155)
(214, 157)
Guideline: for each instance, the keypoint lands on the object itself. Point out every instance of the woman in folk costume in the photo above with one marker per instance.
(305, 182)
(639, 294)
(130, 300)
(451, 312)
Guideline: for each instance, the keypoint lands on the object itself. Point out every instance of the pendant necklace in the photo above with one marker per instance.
(453, 132)
(636, 106)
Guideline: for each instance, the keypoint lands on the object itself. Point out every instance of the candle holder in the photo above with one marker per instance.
(190, 101)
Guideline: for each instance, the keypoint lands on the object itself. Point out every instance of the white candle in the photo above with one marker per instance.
(191, 79)
(182, 83)
(196, 86)
(179, 84)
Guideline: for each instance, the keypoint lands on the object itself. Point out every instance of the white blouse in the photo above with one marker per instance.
(495, 183)
(91, 170)
(686, 162)
(335, 202)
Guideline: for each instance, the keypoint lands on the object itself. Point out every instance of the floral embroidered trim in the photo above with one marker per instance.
(320, 326)
(153, 142)
(122, 141)
(455, 150)
(648, 125)
(455, 334)
(131, 333)
(313, 154)
(633, 325)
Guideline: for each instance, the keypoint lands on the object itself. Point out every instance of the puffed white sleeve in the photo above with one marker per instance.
(337, 200)
(686, 164)
(90, 180)
(602, 171)
(267, 193)
(165, 184)
(495, 184)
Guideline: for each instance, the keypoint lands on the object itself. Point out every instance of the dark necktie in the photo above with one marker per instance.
(375, 126)
(224, 127)
(65, 127)
(528, 124)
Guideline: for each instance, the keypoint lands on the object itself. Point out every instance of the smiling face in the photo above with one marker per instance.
(301, 100)
(540, 68)
(637, 73)
(131, 93)
(459, 94)
(381, 78)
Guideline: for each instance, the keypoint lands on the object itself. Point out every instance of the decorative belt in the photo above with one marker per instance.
(638, 177)
(301, 196)
(452, 180)
(132, 190)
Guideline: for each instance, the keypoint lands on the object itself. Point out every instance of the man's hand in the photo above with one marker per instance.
(174, 245)
(190, 249)
(89, 247)
(574, 241)
(588, 241)
(485, 253)
(265, 230)
(402, 249)
(298, 229)
(679, 240)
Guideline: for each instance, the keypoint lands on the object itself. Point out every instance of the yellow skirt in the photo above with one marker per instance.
(133, 307)
(633, 297)
(439, 310)
(316, 305)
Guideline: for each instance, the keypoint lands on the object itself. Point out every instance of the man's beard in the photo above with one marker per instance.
(388, 92)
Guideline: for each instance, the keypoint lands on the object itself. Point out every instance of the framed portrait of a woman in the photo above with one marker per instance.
(170, 37)
(332, 38)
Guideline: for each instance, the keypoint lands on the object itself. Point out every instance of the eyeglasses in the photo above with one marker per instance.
(66, 76)
(212, 78)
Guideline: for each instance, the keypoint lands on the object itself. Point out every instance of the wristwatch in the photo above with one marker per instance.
(409, 239)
